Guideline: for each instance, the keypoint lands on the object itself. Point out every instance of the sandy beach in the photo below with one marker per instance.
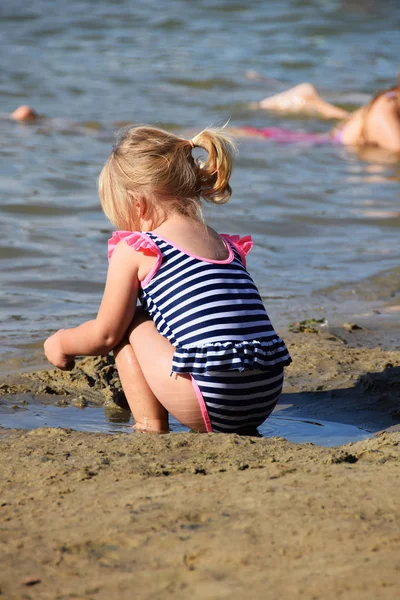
(96, 516)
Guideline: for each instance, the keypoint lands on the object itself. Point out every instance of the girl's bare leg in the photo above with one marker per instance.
(144, 366)
(303, 98)
(148, 413)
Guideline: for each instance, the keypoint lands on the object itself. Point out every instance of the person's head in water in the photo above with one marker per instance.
(24, 113)
(151, 174)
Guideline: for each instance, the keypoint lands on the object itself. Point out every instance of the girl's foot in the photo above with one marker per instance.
(151, 426)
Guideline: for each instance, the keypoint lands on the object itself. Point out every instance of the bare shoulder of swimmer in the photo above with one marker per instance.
(382, 125)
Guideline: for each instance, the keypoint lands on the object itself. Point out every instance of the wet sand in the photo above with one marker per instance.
(89, 515)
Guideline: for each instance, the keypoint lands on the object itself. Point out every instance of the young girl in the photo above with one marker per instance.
(202, 346)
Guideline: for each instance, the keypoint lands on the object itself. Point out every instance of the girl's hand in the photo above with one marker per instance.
(55, 355)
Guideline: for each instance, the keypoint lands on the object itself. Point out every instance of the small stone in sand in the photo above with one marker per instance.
(31, 581)
(351, 326)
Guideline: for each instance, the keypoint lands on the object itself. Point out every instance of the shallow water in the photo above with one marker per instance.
(96, 420)
(319, 215)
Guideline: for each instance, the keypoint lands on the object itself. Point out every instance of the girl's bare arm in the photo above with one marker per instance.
(116, 312)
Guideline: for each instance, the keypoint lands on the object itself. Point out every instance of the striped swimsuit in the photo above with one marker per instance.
(213, 315)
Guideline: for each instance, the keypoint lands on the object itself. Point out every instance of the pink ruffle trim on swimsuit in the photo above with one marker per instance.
(139, 242)
(231, 356)
(134, 239)
(285, 136)
(242, 245)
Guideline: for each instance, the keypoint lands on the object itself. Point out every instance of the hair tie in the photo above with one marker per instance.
(191, 142)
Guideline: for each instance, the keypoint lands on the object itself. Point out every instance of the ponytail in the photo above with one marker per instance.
(158, 167)
(214, 173)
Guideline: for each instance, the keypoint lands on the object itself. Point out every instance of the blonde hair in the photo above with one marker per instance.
(158, 168)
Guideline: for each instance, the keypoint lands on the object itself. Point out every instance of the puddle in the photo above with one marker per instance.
(34, 415)
(320, 433)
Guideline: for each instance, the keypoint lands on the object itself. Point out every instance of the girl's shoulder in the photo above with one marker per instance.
(243, 245)
(137, 240)
(144, 261)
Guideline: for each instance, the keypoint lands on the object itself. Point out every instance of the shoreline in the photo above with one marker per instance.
(346, 373)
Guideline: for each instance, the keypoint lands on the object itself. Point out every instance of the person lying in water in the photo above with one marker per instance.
(375, 124)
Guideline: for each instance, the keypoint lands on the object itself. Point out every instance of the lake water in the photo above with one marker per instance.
(323, 219)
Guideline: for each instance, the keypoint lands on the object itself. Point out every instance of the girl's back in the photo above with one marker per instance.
(194, 237)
